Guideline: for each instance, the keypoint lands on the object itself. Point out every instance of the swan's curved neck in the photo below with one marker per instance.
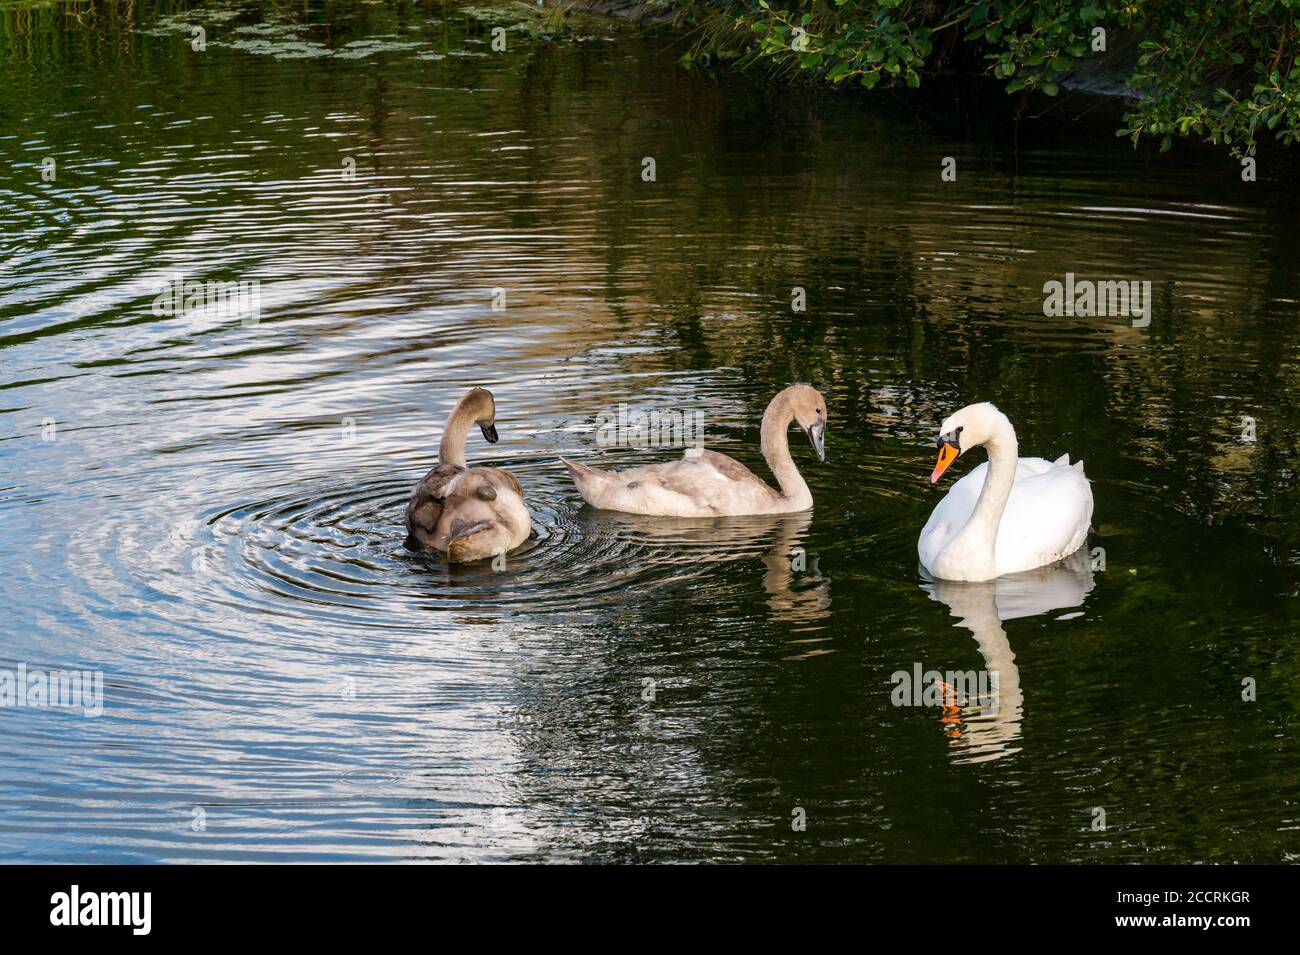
(776, 452)
(452, 448)
(981, 531)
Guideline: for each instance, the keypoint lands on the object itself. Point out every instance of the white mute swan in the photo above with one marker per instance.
(708, 484)
(1010, 513)
(467, 513)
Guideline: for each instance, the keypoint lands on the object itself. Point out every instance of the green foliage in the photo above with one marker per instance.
(1221, 71)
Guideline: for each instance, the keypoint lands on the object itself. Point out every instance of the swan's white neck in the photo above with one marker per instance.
(977, 540)
(776, 452)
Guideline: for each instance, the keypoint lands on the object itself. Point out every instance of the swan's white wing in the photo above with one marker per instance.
(1027, 467)
(1047, 519)
(951, 514)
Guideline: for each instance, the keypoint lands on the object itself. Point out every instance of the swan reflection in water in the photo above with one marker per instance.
(986, 730)
(797, 592)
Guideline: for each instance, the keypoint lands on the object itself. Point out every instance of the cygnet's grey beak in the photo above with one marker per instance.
(489, 432)
(817, 435)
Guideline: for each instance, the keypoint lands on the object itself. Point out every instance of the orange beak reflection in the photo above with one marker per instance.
(947, 455)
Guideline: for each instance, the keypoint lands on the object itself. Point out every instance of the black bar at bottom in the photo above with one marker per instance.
(216, 904)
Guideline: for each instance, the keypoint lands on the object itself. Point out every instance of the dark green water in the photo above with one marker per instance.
(214, 519)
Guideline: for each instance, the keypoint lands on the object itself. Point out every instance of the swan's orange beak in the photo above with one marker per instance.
(947, 455)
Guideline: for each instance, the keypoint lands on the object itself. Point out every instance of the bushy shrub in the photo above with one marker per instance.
(1222, 71)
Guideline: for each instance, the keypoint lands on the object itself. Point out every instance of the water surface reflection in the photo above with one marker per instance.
(215, 518)
(981, 731)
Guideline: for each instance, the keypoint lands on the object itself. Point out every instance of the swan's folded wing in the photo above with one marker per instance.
(425, 508)
(702, 477)
(706, 480)
(1047, 518)
(958, 504)
(502, 479)
(435, 482)
(1028, 467)
(729, 468)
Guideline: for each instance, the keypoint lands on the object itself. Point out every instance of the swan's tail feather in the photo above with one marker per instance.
(580, 470)
(1063, 459)
(1078, 465)
(591, 482)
